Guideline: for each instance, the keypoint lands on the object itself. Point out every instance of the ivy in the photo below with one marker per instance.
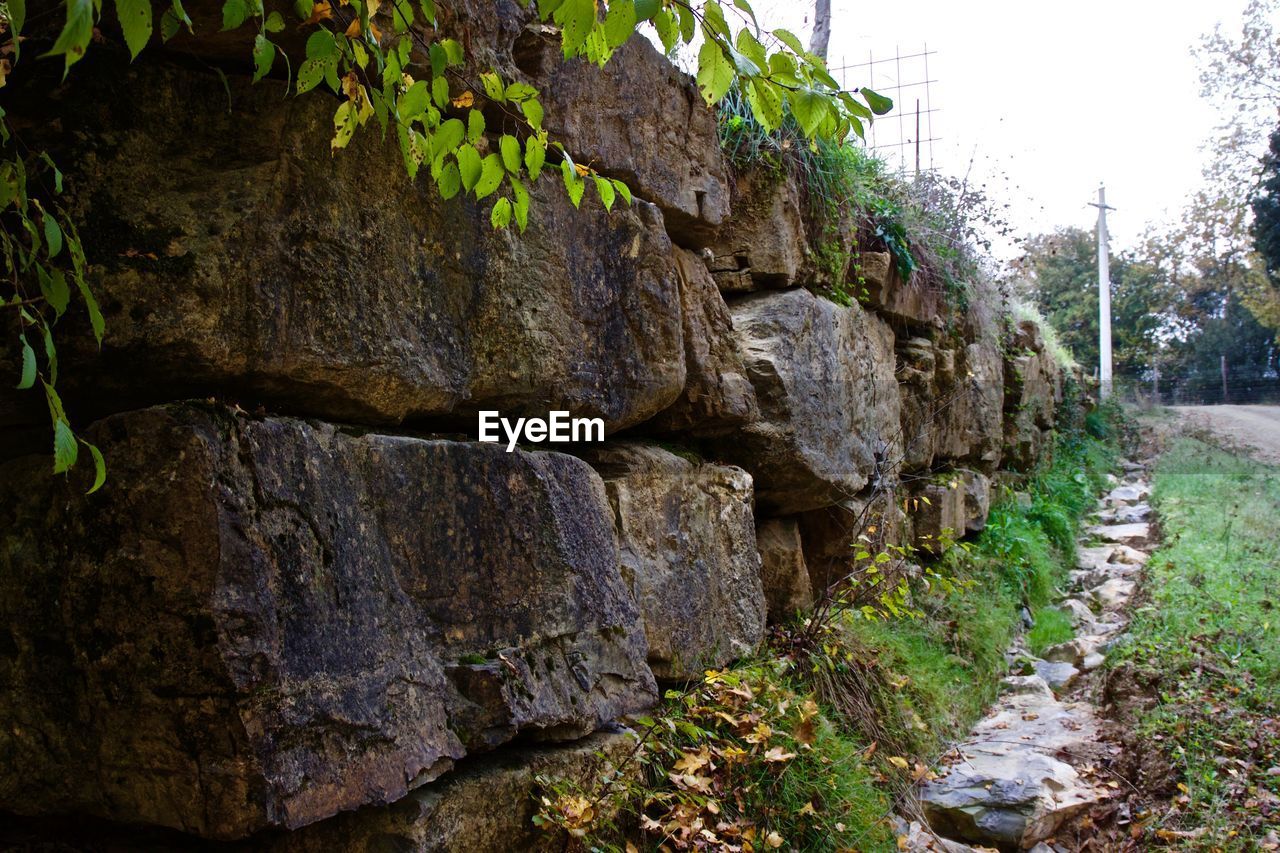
(370, 55)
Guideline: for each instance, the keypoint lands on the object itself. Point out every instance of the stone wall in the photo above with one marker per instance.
(308, 610)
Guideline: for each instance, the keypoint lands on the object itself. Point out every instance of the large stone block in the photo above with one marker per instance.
(484, 807)
(235, 256)
(764, 244)
(262, 622)
(878, 284)
(640, 119)
(688, 545)
(969, 422)
(718, 395)
(829, 404)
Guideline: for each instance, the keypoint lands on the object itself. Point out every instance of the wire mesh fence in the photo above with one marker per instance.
(1201, 388)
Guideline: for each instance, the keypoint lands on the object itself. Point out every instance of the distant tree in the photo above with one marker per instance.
(1059, 274)
(1266, 208)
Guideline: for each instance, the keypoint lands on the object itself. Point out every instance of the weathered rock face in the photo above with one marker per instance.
(1032, 393)
(764, 245)
(688, 553)
(717, 395)
(238, 257)
(829, 406)
(977, 499)
(485, 807)
(640, 119)
(879, 285)
(263, 622)
(782, 568)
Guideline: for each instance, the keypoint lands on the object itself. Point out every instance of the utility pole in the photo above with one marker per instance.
(1104, 298)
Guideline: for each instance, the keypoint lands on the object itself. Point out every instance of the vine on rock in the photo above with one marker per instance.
(390, 64)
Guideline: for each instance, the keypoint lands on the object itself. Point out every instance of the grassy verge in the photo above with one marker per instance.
(1208, 640)
(815, 743)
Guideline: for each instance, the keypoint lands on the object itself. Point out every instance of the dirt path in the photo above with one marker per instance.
(1254, 427)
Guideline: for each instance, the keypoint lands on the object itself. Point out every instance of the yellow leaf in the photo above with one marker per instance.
(582, 170)
(807, 808)
(353, 29)
(691, 762)
(777, 755)
(774, 840)
(321, 11)
(899, 762)
(464, 100)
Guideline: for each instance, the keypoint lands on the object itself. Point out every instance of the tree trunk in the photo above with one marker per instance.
(821, 28)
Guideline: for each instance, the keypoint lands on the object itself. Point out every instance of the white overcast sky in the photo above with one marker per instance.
(1048, 99)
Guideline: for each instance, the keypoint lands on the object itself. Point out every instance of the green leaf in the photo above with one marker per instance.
(573, 184)
(428, 11)
(491, 173)
(440, 91)
(500, 216)
(475, 125)
(535, 154)
(619, 23)
(623, 190)
(521, 205)
(448, 137)
(99, 467)
(713, 21)
(753, 50)
(879, 103)
(453, 51)
(493, 88)
(169, 25)
(789, 39)
(74, 38)
(275, 22)
(576, 19)
(135, 23)
(95, 313)
(688, 24)
(668, 29)
(511, 158)
(310, 75)
(646, 9)
(234, 13)
(605, 189)
(17, 17)
(264, 56)
(414, 101)
(809, 108)
(53, 285)
(469, 166)
(50, 353)
(715, 72)
(450, 181)
(519, 92)
(65, 447)
(344, 126)
(52, 235)
(28, 378)
(766, 104)
(401, 15)
(533, 112)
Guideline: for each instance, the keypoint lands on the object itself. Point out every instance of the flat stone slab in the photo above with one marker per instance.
(1008, 784)
(1123, 534)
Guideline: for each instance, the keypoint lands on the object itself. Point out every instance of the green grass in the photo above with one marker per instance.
(1209, 638)
(1052, 626)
